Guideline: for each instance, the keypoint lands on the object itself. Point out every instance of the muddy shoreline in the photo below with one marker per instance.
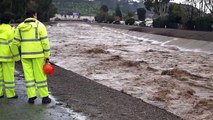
(100, 102)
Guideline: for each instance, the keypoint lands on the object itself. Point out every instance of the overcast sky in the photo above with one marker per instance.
(177, 1)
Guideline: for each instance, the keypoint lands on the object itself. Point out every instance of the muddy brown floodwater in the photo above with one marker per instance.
(175, 79)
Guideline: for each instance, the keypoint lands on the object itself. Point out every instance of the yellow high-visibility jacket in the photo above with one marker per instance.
(8, 51)
(31, 36)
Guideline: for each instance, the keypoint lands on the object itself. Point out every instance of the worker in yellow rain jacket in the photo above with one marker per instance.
(9, 53)
(31, 36)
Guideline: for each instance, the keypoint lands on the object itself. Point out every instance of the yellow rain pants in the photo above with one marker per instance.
(7, 79)
(35, 77)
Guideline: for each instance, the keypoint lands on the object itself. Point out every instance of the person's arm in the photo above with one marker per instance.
(13, 46)
(17, 38)
(44, 41)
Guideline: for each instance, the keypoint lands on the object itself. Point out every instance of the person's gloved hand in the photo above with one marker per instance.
(46, 60)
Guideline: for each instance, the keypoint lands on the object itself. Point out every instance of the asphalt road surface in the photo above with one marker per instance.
(19, 109)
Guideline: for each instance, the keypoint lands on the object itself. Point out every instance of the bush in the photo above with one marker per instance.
(190, 25)
(109, 18)
(130, 21)
(160, 22)
(141, 14)
(201, 23)
(204, 23)
(104, 17)
(100, 17)
(172, 25)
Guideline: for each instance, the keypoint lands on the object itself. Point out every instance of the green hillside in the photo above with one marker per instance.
(86, 7)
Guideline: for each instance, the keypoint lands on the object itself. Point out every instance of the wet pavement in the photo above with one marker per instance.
(19, 109)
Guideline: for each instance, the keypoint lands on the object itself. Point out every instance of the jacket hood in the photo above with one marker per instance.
(28, 24)
(3, 30)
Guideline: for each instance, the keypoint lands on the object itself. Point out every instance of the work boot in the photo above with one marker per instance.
(46, 100)
(2, 96)
(14, 97)
(31, 100)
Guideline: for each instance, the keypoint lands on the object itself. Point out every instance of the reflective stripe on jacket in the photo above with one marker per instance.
(31, 36)
(8, 51)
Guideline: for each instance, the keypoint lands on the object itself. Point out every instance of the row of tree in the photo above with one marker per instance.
(160, 7)
(194, 14)
(103, 15)
(17, 8)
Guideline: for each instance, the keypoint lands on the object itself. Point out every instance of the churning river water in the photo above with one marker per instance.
(153, 68)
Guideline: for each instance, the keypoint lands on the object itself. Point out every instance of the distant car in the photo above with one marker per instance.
(137, 23)
(148, 22)
(57, 19)
(116, 22)
(119, 22)
(122, 22)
